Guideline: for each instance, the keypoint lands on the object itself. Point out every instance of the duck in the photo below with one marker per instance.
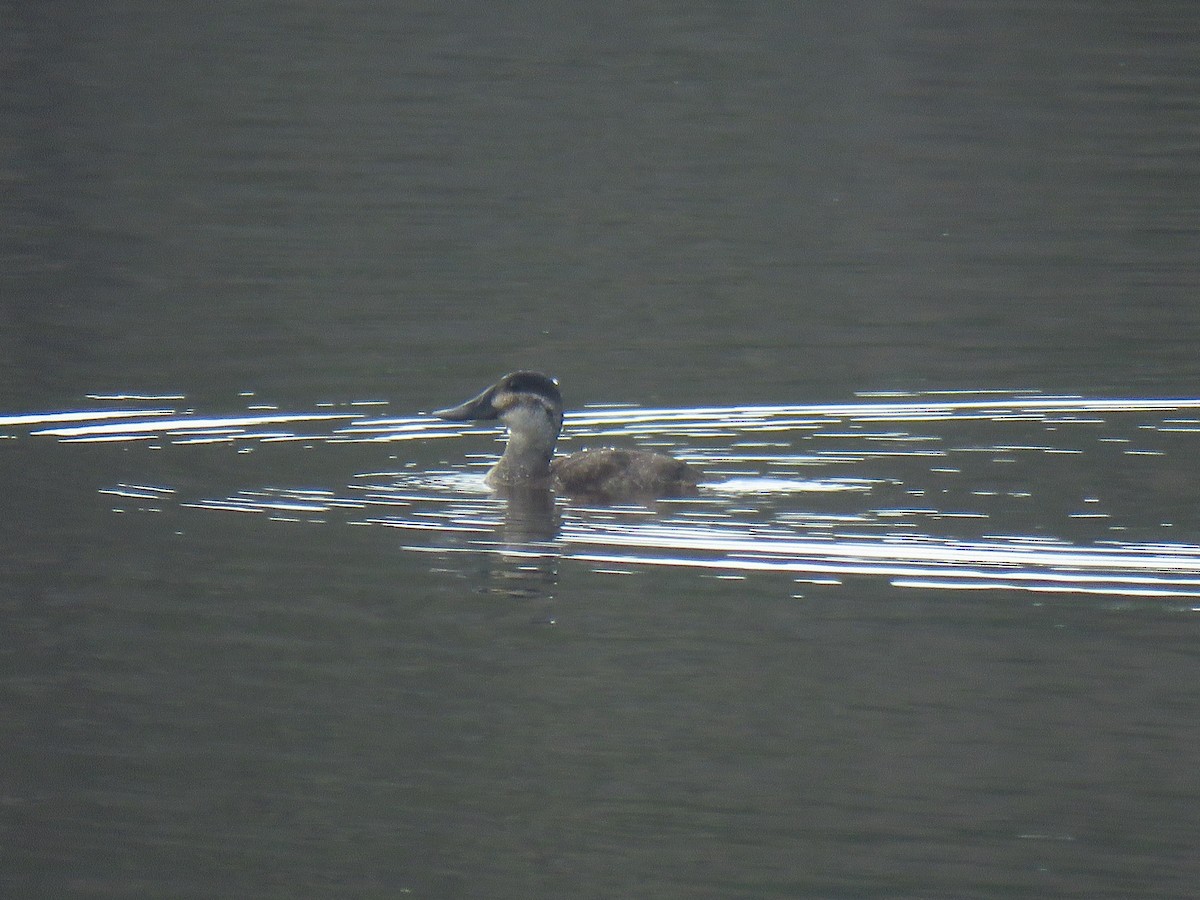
(530, 405)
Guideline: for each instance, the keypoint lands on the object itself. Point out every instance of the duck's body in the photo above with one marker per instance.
(530, 405)
(613, 473)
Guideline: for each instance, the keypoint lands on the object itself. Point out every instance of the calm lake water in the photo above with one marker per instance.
(913, 284)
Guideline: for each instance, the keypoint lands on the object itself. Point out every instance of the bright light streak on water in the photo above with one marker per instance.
(80, 416)
(1137, 571)
(785, 486)
(184, 424)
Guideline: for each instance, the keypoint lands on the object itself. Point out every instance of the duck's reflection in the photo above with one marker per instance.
(525, 564)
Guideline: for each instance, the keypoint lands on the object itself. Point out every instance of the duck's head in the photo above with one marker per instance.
(527, 402)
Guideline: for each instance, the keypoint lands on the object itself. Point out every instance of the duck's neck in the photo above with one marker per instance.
(526, 459)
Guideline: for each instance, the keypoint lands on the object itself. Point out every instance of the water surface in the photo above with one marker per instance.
(913, 283)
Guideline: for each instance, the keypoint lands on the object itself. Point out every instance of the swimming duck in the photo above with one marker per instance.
(530, 404)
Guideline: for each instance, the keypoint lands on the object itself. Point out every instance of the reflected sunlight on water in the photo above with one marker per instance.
(1019, 492)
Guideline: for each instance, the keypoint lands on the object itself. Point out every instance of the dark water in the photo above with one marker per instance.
(914, 284)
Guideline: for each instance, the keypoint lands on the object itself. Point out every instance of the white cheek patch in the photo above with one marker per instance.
(529, 416)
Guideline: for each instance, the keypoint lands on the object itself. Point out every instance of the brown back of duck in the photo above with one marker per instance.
(616, 474)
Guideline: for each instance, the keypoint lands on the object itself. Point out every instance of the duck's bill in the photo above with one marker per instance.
(480, 407)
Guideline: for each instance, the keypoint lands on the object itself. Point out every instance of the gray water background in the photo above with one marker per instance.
(307, 206)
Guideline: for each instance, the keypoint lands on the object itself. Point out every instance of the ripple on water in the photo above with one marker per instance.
(1020, 491)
